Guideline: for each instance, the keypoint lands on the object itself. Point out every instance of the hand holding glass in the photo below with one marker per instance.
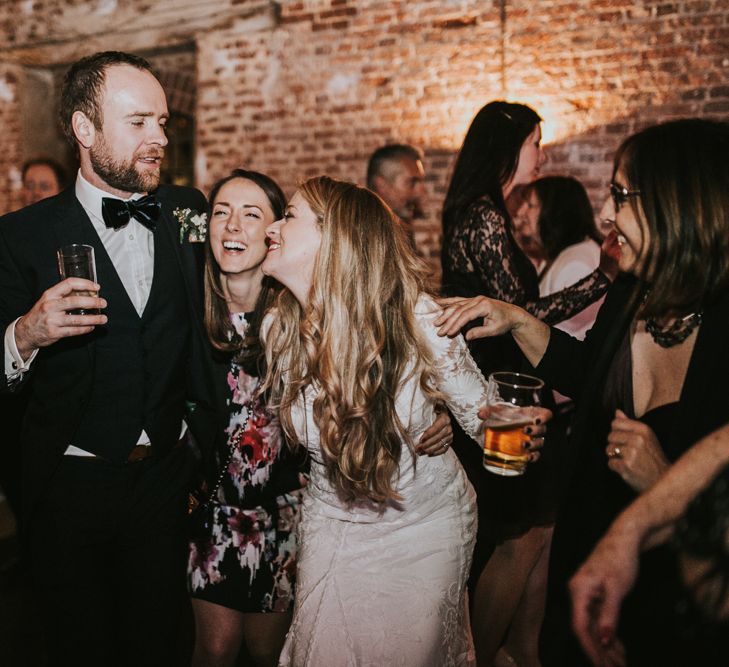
(512, 397)
(77, 261)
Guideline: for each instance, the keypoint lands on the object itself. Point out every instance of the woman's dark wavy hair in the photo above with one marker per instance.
(682, 172)
(565, 217)
(488, 157)
(218, 325)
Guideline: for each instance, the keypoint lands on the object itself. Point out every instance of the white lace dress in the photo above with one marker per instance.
(388, 590)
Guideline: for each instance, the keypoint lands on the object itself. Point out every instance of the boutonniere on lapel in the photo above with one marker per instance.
(193, 225)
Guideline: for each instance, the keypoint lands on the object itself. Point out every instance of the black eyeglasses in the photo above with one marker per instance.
(621, 194)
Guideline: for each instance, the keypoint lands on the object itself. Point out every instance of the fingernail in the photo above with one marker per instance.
(528, 430)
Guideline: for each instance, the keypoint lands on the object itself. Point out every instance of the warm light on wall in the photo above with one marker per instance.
(558, 118)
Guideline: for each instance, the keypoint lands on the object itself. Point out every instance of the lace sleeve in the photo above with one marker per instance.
(458, 377)
(566, 303)
(488, 251)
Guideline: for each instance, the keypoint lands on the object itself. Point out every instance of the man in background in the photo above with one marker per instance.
(42, 178)
(395, 172)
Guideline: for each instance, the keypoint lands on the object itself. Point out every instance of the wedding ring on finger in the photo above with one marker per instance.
(445, 444)
(615, 453)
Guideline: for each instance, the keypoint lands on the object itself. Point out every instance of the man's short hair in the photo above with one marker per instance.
(83, 85)
(388, 154)
(58, 171)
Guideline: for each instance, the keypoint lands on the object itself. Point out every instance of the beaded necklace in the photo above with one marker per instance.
(676, 332)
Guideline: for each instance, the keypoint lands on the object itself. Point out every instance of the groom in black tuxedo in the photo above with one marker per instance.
(106, 471)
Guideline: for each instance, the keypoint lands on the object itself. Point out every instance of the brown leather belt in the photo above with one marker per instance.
(139, 453)
(142, 452)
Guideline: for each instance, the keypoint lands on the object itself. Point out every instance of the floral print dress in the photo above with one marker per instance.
(248, 561)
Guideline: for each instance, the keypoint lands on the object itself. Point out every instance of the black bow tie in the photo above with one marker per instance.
(117, 212)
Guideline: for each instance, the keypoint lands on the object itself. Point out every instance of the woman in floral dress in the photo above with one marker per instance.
(241, 567)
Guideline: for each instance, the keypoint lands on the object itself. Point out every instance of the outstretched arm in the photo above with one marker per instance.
(488, 252)
(464, 386)
(499, 317)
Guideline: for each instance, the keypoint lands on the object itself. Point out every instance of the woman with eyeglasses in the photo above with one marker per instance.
(649, 379)
(480, 256)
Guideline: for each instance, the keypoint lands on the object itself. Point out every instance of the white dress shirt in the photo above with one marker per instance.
(131, 250)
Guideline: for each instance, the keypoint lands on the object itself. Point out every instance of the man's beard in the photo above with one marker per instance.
(123, 175)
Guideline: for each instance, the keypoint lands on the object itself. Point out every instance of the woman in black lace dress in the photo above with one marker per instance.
(481, 257)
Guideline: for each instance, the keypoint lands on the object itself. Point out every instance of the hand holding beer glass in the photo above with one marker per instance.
(512, 399)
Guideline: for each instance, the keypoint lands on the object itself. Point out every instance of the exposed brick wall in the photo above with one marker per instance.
(11, 155)
(331, 80)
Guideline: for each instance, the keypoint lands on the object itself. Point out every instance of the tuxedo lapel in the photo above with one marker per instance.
(71, 224)
(204, 376)
(189, 266)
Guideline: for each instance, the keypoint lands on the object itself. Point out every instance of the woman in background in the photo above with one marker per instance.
(480, 256)
(556, 216)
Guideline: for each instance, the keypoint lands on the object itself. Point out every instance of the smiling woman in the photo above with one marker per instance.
(293, 246)
(241, 565)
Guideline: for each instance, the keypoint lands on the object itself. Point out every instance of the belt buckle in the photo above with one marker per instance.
(139, 453)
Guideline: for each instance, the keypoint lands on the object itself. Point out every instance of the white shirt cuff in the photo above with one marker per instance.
(14, 364)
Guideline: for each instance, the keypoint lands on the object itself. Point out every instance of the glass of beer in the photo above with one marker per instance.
(512, 395)
(77, 261)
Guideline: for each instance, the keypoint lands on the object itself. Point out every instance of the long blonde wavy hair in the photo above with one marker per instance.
(356, 341)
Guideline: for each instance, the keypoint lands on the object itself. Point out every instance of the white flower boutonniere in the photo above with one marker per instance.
(194, 225)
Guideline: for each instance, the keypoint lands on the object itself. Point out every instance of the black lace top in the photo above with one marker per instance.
(481, 256)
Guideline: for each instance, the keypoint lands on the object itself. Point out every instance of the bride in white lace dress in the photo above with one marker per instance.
(356, 368)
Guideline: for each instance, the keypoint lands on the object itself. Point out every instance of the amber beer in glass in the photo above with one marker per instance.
(512, 395)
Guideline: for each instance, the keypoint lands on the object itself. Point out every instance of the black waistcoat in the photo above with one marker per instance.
(139, 363)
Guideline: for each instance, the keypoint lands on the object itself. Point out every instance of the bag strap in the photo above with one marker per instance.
(234, 444)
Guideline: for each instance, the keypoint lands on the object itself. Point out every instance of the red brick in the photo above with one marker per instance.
(420, 70)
